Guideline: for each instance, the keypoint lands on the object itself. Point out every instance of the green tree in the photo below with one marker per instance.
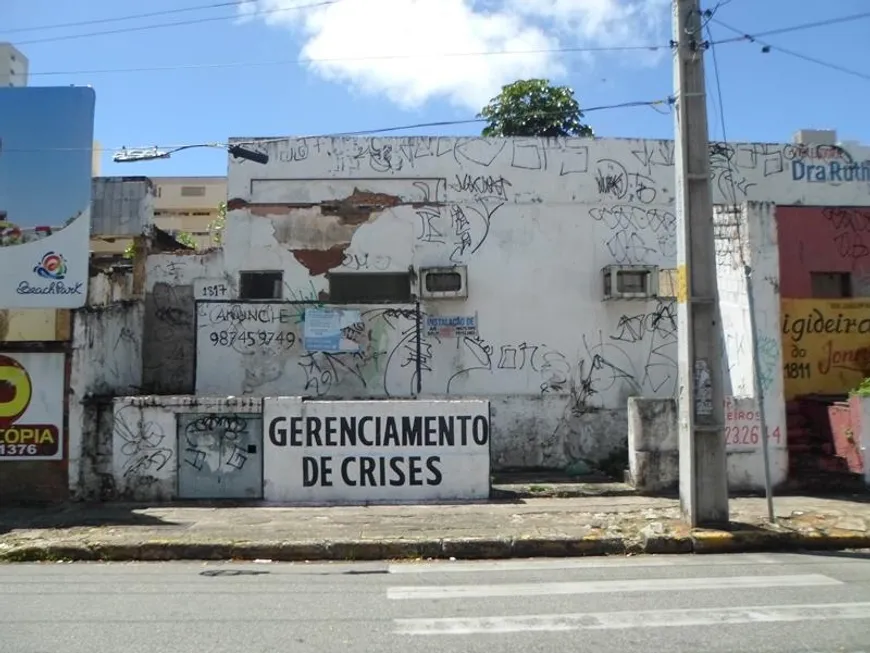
(534, 107)
(216, 226)
(186, 239)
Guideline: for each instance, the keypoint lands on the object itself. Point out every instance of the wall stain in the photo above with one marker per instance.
(320, 261)
(357, 208)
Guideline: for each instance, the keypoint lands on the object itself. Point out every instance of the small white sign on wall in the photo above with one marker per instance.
(323, 452)
(31, 406)
(332, 330)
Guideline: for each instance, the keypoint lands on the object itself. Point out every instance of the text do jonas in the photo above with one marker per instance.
(389, 431)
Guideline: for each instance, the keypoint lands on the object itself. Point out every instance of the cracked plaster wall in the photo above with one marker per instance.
(534, 221)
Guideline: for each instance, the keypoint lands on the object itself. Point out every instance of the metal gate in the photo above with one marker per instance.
(220, 456)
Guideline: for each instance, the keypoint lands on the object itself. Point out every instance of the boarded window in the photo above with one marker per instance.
(370, 288)
(831, 285)
(443, 282)
(193, 191)
(261, 285)
(632, 282)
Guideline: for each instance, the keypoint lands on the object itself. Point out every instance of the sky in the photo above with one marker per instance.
(45, 164)
(271, 68)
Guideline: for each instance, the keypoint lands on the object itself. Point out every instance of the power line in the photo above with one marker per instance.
(569, 50)
(384, 57)
(718, 80)
(798, 55)
(794, 28)
(118, 19)
(180, 23)
(443, 123)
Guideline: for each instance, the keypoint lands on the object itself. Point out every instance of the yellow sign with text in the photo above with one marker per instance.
(825, 345)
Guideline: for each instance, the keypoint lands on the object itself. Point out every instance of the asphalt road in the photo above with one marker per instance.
(680, 604)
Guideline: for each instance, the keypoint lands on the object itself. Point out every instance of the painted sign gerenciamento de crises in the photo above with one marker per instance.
(321, 452)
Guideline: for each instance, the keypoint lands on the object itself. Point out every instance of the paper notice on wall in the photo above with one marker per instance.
(332, 330)
(451, 326)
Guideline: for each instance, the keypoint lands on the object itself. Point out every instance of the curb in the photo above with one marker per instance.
(699, 542)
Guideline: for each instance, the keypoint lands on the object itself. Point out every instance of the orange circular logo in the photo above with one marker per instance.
(15, 391)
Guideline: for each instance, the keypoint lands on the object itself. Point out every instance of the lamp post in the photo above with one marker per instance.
(152, 153)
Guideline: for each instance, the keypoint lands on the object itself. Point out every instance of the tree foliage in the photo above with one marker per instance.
(534, 107)
(186, 239)
(216, 226)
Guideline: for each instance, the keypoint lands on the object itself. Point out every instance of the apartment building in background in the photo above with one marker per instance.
(13, 66)
(182, 205)
(188, 205)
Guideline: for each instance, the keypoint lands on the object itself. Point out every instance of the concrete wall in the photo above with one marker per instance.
(169, 351)
(106, 361)
(747, 236)
(535, 221)
(166, 448)
(145, 442)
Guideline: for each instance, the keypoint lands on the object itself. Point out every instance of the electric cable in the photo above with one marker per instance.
(181, 23)
(366, 132)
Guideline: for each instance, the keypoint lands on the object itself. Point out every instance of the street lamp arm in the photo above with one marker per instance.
(152, 153)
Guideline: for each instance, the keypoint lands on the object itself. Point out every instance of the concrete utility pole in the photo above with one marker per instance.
(703, 473)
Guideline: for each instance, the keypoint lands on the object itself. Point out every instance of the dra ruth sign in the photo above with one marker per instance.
(31, 406)
(322, 452)
(46, 143)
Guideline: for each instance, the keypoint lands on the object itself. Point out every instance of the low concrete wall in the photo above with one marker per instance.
(360, 452)
(145, 445)
(653, 448)
(288, 450)
(653, 445)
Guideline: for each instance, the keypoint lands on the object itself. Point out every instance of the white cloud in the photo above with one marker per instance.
(361, 42)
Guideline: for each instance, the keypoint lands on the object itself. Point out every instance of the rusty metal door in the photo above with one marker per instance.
(220, 456)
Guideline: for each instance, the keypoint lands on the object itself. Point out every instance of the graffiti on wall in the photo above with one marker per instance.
(216, 442)
(462, 200)
(145, 448)
(168, 351)
(263, 345)
(825, 345)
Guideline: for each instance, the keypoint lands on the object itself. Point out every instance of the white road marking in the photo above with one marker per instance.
(601, 586)
(445, 567)
(633, 619)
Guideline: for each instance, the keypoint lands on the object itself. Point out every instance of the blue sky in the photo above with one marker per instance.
(45, 165)
(237, 76)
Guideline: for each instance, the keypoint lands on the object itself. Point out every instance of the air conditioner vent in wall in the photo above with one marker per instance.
(630, 281)
(444, 283)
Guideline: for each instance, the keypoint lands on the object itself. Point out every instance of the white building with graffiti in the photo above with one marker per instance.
(533, 274)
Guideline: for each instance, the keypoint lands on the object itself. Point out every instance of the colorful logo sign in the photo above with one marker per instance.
(52, 266)
(15, 391)
(21, 440)
(46, 142)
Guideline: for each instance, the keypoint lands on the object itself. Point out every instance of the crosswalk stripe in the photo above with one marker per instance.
(601, 586)
(633, 619)
(459, 566)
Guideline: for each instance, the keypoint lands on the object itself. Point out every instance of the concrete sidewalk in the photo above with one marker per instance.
(527, 528)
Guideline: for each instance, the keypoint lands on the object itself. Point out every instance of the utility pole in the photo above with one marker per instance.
(703, 471)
